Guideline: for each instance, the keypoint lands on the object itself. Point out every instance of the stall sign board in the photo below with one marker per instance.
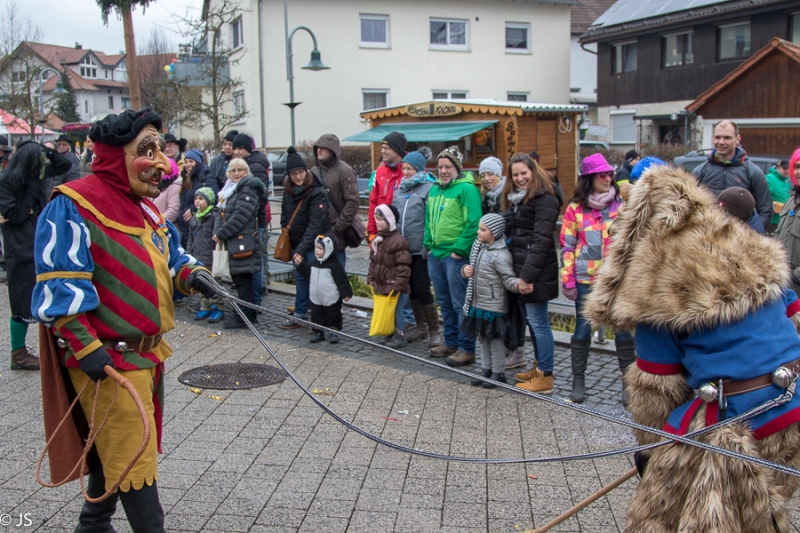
(433, 109)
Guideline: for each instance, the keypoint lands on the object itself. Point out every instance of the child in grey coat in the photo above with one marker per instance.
(491, 275)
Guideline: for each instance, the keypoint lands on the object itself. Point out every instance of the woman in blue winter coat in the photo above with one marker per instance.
(196, 175)
(411, 200)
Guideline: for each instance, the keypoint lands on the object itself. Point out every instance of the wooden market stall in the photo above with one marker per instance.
(483, 128)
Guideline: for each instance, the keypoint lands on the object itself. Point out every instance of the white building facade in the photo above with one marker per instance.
(384, 53)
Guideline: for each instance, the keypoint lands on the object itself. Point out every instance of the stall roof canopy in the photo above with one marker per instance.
(423, 131)
(476, 105)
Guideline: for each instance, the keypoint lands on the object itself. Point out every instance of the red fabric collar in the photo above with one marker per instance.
(107, 190)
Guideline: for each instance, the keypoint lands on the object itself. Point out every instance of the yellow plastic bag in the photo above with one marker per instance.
(383, 306)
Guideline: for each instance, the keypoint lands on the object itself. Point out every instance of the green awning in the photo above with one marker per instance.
(423, 131)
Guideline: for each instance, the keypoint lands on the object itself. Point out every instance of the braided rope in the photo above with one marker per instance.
(670, 438)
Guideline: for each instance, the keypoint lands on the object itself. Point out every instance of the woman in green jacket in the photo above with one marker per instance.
(451, 225)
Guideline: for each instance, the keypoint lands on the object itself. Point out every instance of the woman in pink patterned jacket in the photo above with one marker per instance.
(584, 243)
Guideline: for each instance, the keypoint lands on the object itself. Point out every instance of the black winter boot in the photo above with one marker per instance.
(580, 357)
(626, 355)
(497, 377)
(143, 509)
(419, 331)
(431, 313)
(485, 372)
(96, 517)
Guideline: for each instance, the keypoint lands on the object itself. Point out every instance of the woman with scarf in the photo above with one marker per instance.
(22, 198)
(304, 209)
(195, 176)
(492, 184)
(411, 200)
(169, 201)
(531, 201)
(585, 241)
(238, 204)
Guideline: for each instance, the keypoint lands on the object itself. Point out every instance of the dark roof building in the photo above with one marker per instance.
(655, 57)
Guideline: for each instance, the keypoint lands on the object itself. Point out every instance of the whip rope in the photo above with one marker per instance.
(670, 438)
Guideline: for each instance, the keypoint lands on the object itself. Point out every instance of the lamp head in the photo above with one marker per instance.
(316, 62)
(60, 89)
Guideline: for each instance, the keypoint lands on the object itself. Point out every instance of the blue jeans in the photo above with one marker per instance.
(538, 318)
(450, 289)
(400, 311)
(258, 277)
(302, 297)
(583, 328)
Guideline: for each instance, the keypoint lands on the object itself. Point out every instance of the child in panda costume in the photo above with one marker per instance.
(329, 286)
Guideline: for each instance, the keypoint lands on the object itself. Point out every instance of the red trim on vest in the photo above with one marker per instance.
(712, 413)
(659, 369)
(777, 424)
(793, 308)
(686, 420)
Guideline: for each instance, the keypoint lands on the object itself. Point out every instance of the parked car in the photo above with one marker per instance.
(694, 158)
(277, 161)
(593, 144)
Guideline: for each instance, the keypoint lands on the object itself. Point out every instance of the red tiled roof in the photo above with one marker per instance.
(584, 14)
(61, 56)
(775, 45)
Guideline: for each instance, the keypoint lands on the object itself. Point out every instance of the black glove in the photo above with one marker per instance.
(92, 364)
(197, 283)
(640, 459)
(49, 153)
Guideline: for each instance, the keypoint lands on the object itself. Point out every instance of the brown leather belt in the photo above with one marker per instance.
(734, 388)
(143, 345)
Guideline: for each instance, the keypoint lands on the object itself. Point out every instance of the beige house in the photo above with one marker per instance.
(385, 53)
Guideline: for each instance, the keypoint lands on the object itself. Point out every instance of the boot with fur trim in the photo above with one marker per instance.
(418, 332)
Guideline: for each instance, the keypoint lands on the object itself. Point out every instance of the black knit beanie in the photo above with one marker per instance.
(397, 142)
(230, 136)
(242, 140)
(294, 160)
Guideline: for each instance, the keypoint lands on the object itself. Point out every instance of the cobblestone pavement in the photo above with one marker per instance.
(269, 460)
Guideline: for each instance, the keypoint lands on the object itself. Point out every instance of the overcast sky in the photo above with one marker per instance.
(65, 22)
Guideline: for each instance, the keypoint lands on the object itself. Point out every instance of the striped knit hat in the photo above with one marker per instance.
(495, 223)
(207, 193)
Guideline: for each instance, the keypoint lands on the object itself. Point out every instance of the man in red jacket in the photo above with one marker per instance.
(387, 177)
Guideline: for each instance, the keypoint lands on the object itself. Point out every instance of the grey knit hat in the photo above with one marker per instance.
(495, 223)
(491, 164)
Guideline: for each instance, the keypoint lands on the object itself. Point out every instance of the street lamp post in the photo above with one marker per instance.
(59, 90)
(315, 64)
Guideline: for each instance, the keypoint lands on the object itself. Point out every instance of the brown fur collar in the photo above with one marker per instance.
(680, 262)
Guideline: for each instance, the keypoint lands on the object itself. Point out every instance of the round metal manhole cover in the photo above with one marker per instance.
(232, 376)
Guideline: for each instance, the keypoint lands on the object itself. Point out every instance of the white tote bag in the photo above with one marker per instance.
(219, 262)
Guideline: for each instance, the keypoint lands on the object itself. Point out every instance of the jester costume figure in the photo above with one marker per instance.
(107, 264)
(716, 336)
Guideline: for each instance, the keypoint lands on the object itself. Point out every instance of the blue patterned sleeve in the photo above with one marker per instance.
(64, 264)
(180, 263)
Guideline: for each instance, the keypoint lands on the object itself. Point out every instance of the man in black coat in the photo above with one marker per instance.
(219, 165)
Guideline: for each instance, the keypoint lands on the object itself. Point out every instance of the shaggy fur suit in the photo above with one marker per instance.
(678, 262)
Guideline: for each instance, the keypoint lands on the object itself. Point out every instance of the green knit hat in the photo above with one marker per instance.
(207, 193)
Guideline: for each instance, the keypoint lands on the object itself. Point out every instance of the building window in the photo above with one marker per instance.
(105, 70)
(517, 97)
(237, 99)
(794, 29)
(374, 31)
(374, 99)
(449, 34)
(733, 41)
(111, 102)
(126, 102)
(623, 127)
(625, 57)
(89, 72)
(237, 36)
(18, 76)
(678, 49)
(518, 37)
(449, 95)
(86, 106)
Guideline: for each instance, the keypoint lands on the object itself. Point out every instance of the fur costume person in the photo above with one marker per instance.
(707, 298)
